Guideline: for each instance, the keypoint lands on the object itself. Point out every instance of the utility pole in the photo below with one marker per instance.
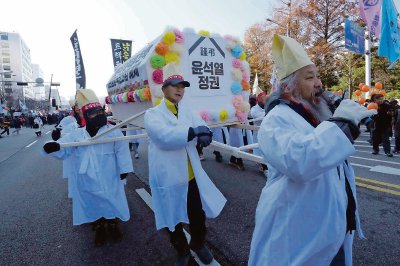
(51, 80)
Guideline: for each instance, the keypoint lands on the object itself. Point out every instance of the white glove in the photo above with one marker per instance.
(353, 111)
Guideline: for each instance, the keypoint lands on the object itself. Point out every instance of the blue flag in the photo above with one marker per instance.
(389, 44)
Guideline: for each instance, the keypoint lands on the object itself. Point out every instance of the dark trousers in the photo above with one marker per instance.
(397, 137)
(197, 223)
(339, 259)
(381, 136)
(6, 130)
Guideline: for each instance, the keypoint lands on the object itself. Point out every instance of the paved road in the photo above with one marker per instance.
(37, 229)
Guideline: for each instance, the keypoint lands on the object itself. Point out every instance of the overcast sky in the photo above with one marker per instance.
(46, 26)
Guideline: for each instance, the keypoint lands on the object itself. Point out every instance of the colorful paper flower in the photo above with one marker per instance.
(215, 116)
(169, 38)
(158, 76)
(125, 97)
(246, 76)
(177, 48)
(147, 94)
(245, 85)
(131, 97)
(237, 74)
(236, 88)
(244, 107)
(145, 82)
(242, 116)
(204, 33)
(223, 115)
(236, 63)
(206, 116)
(178, 36)
(171, 57)
(228, 37)
(237, 100)
(230, 45)
(162, 48)
(157, 61)
(243, 56)
(237, 51)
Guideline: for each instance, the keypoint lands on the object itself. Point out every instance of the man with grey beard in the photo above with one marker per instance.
(307, 211)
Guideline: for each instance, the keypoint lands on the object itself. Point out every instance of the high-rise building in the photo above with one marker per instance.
(39, 90)
(15, 58)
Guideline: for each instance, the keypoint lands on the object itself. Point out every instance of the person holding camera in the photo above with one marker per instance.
(182, 191)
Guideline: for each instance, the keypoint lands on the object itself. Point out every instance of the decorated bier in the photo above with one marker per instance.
(215, 66)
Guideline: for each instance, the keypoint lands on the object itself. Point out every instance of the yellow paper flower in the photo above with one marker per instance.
(204, 33)
(243, 56)
(172, 57)
(223, 115)
(169, 38)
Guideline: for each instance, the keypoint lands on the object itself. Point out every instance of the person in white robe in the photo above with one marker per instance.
(307, 212)
(134, 143)
(181, 190)
(38, 124)
(67, 126)
(258, 111)
(99, 195)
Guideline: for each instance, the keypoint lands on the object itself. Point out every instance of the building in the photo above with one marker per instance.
(39, 91)
(15, 59)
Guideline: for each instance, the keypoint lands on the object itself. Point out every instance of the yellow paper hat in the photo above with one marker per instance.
(288, 56)
(87, 99)
(173, 75)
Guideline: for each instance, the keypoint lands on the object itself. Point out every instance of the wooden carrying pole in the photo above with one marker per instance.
(101, 141)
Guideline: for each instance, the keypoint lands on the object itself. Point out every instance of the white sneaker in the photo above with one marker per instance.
(136, 155)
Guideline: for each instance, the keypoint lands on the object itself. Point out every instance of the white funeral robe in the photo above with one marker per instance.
(68, 125)
(256, 112)
(301, 214)
(99, 190)
(217, 134)
(39, 122)
(168, 166)
(135, 132)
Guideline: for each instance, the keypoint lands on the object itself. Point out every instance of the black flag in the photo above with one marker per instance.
(121, 51)
(79, 68)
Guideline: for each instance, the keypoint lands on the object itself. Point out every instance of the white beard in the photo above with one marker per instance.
(320, 109)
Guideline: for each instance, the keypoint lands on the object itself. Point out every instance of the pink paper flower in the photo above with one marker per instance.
(237, 100)
(241, 116)
(158, 76)
(245, 76)
(178, 36)
(237, 63)
(206, 116)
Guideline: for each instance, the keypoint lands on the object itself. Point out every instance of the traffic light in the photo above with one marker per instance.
(22, 83)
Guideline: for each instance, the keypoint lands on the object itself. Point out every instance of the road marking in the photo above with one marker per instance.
(363, 141)
(48, 132)
(377, 182)
(361, 165)
(375, 160)
(389, 191)
(386, 170)
(31, 144)
(367, 146)
(146, 197)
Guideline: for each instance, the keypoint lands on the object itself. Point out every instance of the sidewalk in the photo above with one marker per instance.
(11, 144)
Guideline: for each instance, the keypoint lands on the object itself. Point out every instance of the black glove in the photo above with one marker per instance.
(201, 130)
(123, 176)
(56, 134)
(204, 140)
(50, 147)
(347, 126)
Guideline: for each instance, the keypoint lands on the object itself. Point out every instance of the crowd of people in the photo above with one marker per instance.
(307, 212)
